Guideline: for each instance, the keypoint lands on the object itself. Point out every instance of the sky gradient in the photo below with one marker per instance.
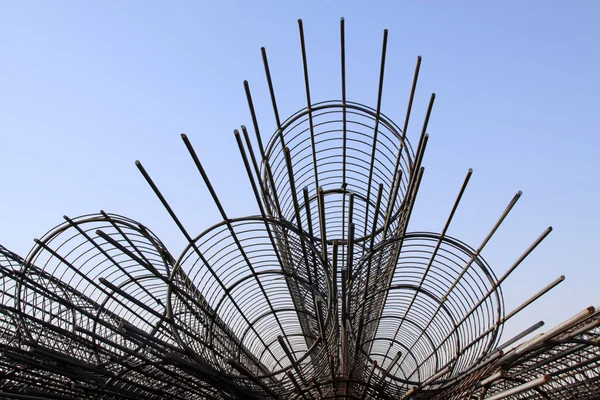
(87, 88)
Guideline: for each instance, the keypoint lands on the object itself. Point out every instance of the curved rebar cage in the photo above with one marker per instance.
(325, 294)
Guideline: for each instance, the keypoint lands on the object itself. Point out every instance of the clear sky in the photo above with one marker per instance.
(86, 88)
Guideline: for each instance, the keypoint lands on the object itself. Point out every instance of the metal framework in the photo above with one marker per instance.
(324, 294)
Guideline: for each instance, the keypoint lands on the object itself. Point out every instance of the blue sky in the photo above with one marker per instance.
(86, 88)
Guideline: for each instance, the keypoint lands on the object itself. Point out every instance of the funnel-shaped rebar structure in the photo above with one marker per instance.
(324, 294)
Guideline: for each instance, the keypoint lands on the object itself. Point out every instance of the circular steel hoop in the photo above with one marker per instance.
(345, 136)
(433, 307)
(87, 276)
(257, 292)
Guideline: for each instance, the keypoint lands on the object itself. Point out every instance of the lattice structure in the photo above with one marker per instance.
(324, 294)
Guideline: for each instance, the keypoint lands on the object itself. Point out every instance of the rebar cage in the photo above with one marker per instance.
(324, 294)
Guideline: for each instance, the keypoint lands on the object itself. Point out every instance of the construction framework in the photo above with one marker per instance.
(325, 294)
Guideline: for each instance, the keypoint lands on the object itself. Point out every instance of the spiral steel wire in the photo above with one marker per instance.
(325, 294)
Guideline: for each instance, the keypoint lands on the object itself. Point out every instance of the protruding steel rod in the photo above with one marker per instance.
(376, 128)
(163, 200)
(308, 103)
(403, 147)
(521, 335)
(434, 252)
(344, 117)
(263, 52)
(234, 236)
(533, 298)
(263, 156)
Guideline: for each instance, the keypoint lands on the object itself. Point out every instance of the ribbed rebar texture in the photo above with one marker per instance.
(324, 294)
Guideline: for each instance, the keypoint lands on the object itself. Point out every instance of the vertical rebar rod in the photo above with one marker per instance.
(376, 128)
